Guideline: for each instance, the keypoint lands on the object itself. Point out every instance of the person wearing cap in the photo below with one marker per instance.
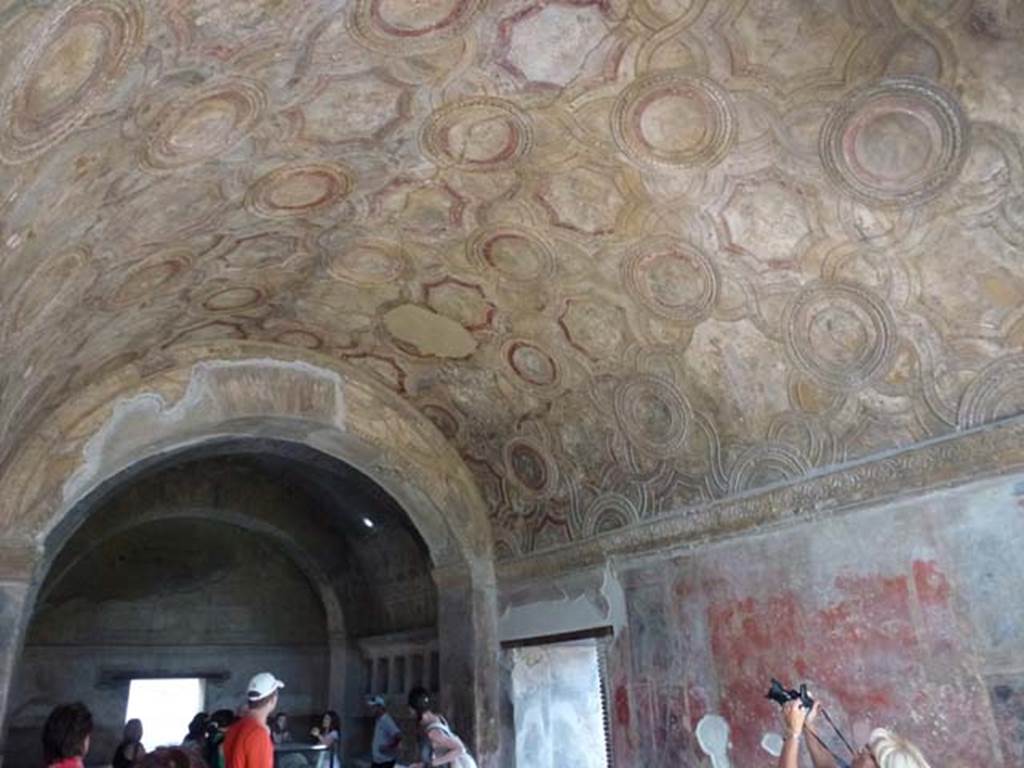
(248, 744)
(387, 736)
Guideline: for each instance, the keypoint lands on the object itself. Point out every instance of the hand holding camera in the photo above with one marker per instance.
(800, 710)
(794, 715)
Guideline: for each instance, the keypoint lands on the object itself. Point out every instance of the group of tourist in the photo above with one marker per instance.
(222, 740)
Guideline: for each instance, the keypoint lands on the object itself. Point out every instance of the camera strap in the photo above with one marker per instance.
(839, 761)
(838, 732)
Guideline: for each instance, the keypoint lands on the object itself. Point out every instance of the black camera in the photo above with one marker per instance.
(780, 694)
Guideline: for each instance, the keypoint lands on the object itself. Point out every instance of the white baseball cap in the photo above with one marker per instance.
(375, 701)
(262, 685)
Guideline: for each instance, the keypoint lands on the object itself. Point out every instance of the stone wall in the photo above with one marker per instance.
(175, 597)
(907, 615)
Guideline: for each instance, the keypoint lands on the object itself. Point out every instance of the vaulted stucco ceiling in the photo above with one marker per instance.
(629, 257)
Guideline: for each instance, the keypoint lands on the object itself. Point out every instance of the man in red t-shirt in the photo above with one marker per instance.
(248, 744)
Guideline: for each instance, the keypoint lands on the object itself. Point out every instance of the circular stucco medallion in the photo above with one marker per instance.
(673, 279)
(203, 124)
(478, 134)
(839, 334)
(674, 119)
(530, 467)
(233, 299)
(145, 280)
(517, 254)
(531, 364)
(75, 60)
(653, 415)
(405, 26)
(367, 262)
(898, 142)
(996, 393)
(299, 190)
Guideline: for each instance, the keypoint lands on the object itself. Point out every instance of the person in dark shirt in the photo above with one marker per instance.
(130, 749)
(196, 736)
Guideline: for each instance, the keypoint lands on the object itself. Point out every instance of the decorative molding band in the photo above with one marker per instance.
(970, 455)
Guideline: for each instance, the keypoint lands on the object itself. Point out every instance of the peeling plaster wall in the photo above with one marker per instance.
(582, 602)
(908, 615)
(144, 419)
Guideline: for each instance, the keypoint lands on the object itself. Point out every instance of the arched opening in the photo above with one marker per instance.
(207, 396)
(219, 561)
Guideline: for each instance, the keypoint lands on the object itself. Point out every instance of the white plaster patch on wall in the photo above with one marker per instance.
(611, 588)
(147, 419)
(713, 736)
(576, 608)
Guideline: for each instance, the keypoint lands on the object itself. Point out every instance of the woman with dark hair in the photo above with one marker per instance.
(66, 736)
(328, 733)
(130, 749)
(444, 747)
(216, 729)
(279, 733)
(196, 737)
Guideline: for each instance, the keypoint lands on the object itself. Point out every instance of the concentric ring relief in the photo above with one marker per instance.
(478, 134)
(204, 124)
(404, 26)
(298, 337)
(609, 512)
(233, 299)
(531, 364)
(442, 418)
(299, 190)
(898, 142)
(839, 334)
(530, 467)
(997, 392)
(674, 119)
(516, 254)
(761, 465)
(47, 289)
(367, 262)
(146, 279)
(672, 279)
(73, 63)
(653, 415)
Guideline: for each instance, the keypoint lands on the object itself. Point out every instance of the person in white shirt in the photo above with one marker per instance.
(328, 733)
(387, 736)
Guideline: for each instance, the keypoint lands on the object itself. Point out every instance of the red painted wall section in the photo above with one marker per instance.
(910, 617)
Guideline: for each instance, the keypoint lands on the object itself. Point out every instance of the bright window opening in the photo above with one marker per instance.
(165, 707)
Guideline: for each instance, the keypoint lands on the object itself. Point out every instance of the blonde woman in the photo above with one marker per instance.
(884, 748)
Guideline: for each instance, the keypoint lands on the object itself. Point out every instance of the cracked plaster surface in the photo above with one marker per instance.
(630, 258)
